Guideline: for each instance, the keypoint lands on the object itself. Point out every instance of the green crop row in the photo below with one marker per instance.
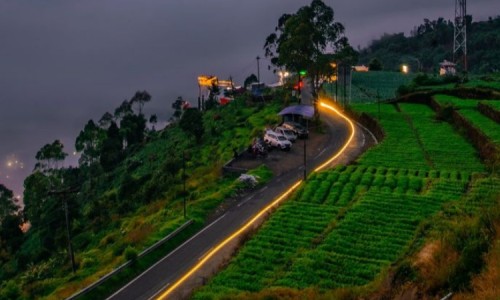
(400, 147)
(468, 109)
(447, 150)
(346, 225)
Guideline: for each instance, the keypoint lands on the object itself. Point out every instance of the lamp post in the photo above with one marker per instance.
(184, 180)
(419, 65)
(258, 68)
(305, 151)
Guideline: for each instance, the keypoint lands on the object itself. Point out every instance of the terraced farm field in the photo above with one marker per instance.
(468, 109)
(345, 226)
(367, 86)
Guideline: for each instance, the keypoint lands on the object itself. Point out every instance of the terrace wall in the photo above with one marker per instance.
(488, 151)
(489, 111)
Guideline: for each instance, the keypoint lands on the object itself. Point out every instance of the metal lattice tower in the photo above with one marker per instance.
(460, 34)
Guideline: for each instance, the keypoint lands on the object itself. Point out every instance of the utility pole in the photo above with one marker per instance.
(184, 179)
(68, 233)
(64, 194)
(299, 89)
(305, 164)
(258, 69)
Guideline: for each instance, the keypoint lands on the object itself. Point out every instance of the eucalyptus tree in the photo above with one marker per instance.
(301, 40)
(89, 143)
(49, 156)
(140, 98)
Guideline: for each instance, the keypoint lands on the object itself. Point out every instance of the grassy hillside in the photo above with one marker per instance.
(347, 228)
(119, 213)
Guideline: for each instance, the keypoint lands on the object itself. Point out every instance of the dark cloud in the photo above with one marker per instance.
(63, 62)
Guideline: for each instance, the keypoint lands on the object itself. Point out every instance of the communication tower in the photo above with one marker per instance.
(460, 34)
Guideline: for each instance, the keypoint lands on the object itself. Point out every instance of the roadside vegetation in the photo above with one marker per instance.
(126, 194)
(418, 212)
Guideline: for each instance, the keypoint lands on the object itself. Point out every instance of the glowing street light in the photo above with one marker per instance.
(405, 69)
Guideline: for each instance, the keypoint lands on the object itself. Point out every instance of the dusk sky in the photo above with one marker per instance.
(64, 62)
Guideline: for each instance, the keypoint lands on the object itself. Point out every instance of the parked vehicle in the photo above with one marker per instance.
(277, 140)
(300, 130)
(288, 133)
(258, 148)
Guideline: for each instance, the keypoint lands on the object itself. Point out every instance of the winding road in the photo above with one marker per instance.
(189, 265)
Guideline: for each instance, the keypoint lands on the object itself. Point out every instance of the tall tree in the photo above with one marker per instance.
(49, 156)
(123, 110)
(89, 142)
(7, 205)
(132, 128)
(301, 39)
(153, 119)
(192, 122)
(140, 98)
(111, 151)
(106, 120)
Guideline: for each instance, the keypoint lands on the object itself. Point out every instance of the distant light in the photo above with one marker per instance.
(74, 153)
(9, 164)
(405, 69)
(302, 72)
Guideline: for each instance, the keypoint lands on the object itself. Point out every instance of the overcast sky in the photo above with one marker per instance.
(64, 62)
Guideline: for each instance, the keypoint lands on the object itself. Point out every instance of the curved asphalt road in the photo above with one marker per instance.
(174, 265)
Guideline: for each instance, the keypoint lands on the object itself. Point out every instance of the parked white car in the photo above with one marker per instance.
(300, 130)
(288, 133)
(277, 140)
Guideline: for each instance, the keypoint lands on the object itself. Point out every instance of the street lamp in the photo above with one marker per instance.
(404, 69)
(258, 68)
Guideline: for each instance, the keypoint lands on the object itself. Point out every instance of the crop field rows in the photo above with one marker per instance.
(337, 234)
(445, 146)
(400, 148)
(346, 225)
(468, 109)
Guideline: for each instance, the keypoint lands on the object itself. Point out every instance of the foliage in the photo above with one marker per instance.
(140, 98)
(134, 200)
(192, 123)
(89, 142)
(300, 39)
(249, 80)
(7, 206)
(49, 156)
(111, 151)
(346, 226)
(375, 65)
(432, 42)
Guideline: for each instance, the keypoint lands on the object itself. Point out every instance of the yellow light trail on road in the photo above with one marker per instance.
(351, 136)
(266, 209)
(227, 240)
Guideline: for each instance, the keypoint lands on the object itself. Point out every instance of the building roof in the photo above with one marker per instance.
(307, 111)
(446, 63)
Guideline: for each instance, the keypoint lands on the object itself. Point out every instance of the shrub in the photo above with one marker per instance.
(10, 290)
(131, 253)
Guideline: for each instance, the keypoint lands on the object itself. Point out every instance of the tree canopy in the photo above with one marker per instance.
(432, 42)
(300, 40)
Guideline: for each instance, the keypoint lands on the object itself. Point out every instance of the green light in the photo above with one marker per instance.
(302, 72)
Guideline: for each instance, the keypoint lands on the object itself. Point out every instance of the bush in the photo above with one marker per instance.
(131, 253)
(10, 290)
(404, 90)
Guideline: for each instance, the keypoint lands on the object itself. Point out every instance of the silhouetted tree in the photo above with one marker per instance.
(89, 142)
(300, 39)
(375, 65)
(140, 98)
(111, 151)
(192, 122)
